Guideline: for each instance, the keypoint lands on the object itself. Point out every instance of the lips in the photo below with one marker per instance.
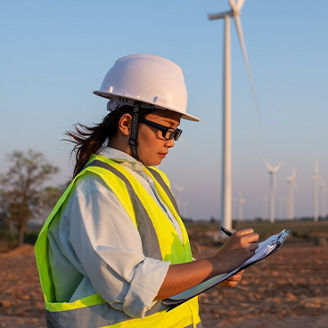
(163, 154)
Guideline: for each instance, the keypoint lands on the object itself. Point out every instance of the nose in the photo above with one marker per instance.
(169, 143)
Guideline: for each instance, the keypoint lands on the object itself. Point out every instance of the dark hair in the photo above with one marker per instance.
(89, 139)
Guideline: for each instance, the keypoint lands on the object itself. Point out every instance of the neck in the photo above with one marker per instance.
(121, 143)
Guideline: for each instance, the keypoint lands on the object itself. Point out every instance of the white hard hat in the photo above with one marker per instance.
(149, 79)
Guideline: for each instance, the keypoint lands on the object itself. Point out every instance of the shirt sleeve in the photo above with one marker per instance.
(109, 248)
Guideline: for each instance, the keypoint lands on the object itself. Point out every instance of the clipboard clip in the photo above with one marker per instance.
(282, 237)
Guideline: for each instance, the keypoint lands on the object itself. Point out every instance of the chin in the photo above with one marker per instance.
(153, 163)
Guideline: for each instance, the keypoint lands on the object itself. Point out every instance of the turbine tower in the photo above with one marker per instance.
(324, 190)
(291, 206)
(226, 198)
(272, 171)
(315, 177)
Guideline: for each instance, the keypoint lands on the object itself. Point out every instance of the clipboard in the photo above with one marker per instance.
(265, 249)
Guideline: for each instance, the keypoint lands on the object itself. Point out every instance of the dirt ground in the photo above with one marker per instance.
(288, 289)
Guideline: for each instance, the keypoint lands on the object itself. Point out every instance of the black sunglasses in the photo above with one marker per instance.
(167, 133)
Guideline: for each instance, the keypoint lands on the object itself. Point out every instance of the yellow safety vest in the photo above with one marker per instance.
(163, 243)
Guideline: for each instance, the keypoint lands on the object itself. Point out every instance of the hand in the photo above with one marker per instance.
(236, 250)
(233, 281)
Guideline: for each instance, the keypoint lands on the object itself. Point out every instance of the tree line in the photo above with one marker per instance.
(24, 193)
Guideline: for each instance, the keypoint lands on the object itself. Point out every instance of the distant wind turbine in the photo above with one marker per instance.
(291, 205)
(315, 177)
(324, 191)
(226, 198)
(272, 171)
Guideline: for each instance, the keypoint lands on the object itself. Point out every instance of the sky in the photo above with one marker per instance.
(55, 53)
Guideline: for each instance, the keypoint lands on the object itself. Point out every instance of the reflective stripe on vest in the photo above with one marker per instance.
(93, 311)
(145, 227)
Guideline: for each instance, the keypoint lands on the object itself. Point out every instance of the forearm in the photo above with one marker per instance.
(237, 249)
(181, 277)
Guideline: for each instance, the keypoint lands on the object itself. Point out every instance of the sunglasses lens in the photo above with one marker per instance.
(177, 134)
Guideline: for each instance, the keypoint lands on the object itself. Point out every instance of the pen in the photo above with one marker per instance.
(226, 231)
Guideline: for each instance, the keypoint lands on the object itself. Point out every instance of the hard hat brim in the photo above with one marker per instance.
(185, 116)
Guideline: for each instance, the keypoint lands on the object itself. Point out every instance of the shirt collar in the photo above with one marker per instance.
(121, 157)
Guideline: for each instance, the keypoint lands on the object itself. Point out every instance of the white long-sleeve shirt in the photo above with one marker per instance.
(96, 248)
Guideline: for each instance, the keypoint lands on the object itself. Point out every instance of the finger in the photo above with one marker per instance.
(244, 232)
(232, 284)
(253, 237)
(228, 283)
(236, 276)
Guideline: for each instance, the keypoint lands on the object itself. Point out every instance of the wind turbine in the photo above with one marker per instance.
(291, 206)
(324, 190)
(226, 192)
(315, 177)
(272, 171)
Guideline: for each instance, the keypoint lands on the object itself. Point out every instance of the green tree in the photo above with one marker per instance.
(23, 194)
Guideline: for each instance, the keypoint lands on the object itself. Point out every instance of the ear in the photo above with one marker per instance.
(125, 123)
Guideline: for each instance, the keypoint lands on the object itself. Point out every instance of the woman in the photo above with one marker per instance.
(114, 246)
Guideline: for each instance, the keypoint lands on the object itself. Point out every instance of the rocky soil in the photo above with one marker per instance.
(288, 289)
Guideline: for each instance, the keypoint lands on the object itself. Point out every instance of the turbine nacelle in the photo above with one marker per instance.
(315, 176)
(220, 15)
(291, 178)
(235, 11)
(272, 169)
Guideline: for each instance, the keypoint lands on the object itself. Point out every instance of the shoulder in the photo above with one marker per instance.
(90, 183)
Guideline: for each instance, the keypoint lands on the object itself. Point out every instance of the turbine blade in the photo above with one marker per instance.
(316, 167)
(268, 165)
(276, 168)
(292, 177)
(243, 49)
(294, 173)
(233, 5)
(240, 4)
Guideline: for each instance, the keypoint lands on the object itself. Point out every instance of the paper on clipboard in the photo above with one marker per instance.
(265, 248)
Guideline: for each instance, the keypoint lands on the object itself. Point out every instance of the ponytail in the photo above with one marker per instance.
(89, 139)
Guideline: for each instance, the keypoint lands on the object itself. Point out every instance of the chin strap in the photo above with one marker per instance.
(134, 130)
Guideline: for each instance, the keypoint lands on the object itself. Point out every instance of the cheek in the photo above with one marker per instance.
(145, 142)
(148, 148)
